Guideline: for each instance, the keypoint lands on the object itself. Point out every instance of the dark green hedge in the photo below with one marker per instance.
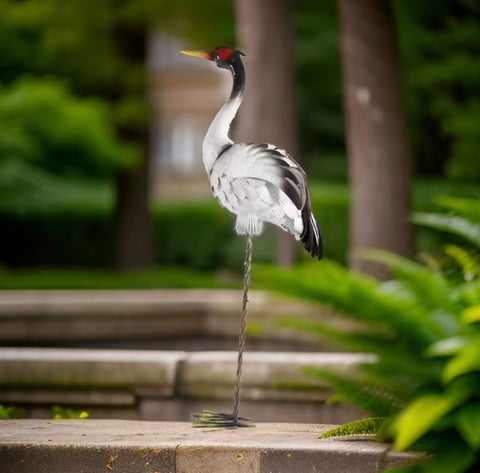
(198, 235)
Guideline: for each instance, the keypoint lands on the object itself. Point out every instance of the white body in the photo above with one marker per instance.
(259, 183)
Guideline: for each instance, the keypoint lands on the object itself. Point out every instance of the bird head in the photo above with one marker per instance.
(224, 56)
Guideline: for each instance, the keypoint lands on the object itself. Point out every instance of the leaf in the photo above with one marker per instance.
(448, 346)
(375, 399)
(465, 260)
(454, 458)
(467, 207)
(420, 416)
(468, 422)
(466, 361)
(451, 224)
(470, 315)
(429, 287)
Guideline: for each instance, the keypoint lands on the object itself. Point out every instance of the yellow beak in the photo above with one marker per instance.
(208, 55)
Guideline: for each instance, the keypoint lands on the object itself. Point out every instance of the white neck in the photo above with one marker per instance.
(217, 137)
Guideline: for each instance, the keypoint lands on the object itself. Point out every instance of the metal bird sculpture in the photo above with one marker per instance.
(258, 183)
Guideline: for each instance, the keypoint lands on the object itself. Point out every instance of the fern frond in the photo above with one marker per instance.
(347, 335)
(428, 287)
(376, 400)
(397, 364)
(468, 208)
(467, 294)
(404, 375)
(467, 262)
(454, 225)
(359, 297)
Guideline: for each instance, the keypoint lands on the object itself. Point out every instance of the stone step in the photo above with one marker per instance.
(69, 317)
(204, 375)
(169, 385)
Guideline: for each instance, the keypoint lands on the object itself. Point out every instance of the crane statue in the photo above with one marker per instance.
(258, 183)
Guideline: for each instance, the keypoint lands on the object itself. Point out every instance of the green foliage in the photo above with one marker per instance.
(317, 54)
(47, 137)
(351, 389)
(463, 220)
(423, 329)
(9, 412)
(439, 44)
(59, 412)
(468, 420)
(421, 415)
(166, 277)
(44, 127)
(100, 47)
(438, 49)
(455, 225)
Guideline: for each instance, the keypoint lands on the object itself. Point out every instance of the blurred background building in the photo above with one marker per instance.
(185, 96)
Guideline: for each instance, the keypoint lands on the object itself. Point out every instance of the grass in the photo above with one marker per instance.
(103, 279)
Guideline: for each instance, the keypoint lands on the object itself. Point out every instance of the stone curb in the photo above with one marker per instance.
(152, 447)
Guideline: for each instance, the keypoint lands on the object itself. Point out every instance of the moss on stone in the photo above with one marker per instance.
(255, 329)
(285, 385)
(363, 427)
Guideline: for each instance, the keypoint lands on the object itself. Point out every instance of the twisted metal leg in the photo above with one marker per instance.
(216, 420)
(243, 326)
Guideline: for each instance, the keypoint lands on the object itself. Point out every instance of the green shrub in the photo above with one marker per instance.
(423, 327)
(73, 226)
(9, 412)
(44, 127)
(59, 412)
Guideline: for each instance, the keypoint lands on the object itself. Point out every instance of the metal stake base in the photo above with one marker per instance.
(216, 420)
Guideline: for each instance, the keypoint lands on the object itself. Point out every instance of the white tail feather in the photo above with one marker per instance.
(248, 225)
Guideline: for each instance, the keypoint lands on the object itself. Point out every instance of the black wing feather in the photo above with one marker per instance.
(294, 185)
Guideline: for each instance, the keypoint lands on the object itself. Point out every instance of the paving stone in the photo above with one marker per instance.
(85, 446)
(210, 459)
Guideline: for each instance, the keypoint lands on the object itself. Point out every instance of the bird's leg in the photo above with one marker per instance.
(211, 420)
(243, 325)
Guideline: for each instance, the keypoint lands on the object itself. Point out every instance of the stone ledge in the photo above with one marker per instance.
(196, 375)
(84, 368)
(151, 447)
(266, 376)
(115, 302)
(48, 317)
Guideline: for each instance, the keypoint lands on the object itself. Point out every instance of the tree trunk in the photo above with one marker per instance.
(378, 151)
(265, 33)
(133, 226)
(133, 221)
